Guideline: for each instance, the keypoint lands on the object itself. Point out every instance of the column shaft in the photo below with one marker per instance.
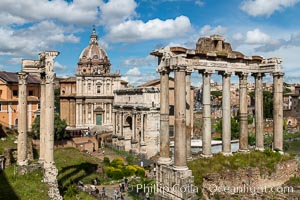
(259, 123)
(121, 124)
(164, 118)
(243, 112)
(180, 119)
(22, 120)
(142, 128)
(278, 111)
(188, 114)
(226, 115)
(206, 128)
(42, 118)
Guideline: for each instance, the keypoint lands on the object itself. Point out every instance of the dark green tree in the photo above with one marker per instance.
(59, 128)
(56, 100)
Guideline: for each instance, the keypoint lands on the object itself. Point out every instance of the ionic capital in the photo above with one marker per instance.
(258, 75)
(225, 74)
(278, 74)
(163, 70)
(242, 75)
(180, 68)
(22, 78)
(43, 78)
(50, 76)
(206, 72)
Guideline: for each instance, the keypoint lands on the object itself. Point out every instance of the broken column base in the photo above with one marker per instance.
(50, 173)
(22, 167)
(175, 184)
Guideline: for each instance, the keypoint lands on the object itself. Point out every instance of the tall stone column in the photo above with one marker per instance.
(121, 123)
(243, 112)
(142, 128)
(49, 164)
(278, 111)
(42, 118)
(115, 122)
(226, 114)
(188, 114)
(22, 120)
(164, 118)
(134, 125)
(180, 162)
(206, 129)
(259, 118)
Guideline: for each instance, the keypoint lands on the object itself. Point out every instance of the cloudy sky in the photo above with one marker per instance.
(130, 29)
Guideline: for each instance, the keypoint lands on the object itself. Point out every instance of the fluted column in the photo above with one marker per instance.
(243, 112)
(226, 114)
(259, 123)
(188, 114)
(206, 128)
(42, 118)
(278, 111)
(180, 162)
(22, 120)
(164, 118)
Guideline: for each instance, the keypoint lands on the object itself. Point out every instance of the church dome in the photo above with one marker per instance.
(93, 60)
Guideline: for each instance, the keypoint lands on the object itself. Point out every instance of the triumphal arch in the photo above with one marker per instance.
(212, 55)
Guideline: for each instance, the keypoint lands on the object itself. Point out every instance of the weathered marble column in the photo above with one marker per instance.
(226, 114)
(49, 164)
(134, 125)
(164, 118)
(142, 129)
(259, 117)
(115, 122)
(22, 120)
(243, 112)
(278, 111)
(180, 162)
(42, 118)
(188, 114)
(206, 128)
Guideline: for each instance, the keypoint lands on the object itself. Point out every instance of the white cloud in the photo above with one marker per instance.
(30, 41)
(137, 30)
(266, 7)
(199, 3)
(149, 61)
(135, 77)
(207, 30)
(77, 11)
(258, 37)
(238, 36)
(59, 66)
(115, 12)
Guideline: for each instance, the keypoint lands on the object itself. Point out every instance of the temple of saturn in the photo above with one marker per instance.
(212, 55)
(45, 67)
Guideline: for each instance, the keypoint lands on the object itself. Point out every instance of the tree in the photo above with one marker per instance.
(267, 103)
(59, 128)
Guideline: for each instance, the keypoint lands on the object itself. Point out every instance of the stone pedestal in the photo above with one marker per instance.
(174, 184)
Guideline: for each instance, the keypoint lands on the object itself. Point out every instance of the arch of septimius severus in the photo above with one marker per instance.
(212, 55)
(45, 67)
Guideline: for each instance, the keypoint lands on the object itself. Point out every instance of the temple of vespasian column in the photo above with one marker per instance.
(44, 66)
(212, 55)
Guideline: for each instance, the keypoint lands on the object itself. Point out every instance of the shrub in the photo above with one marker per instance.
(129, 170)
(139, 171)
(117, 174)
(106, 161)
(117, 163)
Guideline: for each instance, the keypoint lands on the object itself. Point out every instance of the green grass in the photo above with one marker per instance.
(265, 161)
(8, 143)
(28, 186)
(294, 147)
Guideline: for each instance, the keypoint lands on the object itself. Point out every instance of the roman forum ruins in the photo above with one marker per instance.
(44, 66)
(212, 55)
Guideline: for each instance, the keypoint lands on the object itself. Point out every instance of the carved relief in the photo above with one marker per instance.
(22, 77)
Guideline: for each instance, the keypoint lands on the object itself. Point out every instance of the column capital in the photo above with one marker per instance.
(163, 70)
(206, 72)
(242, 74)
(22, 78)
(224, 73)
(50, 77)
(43, 78)
(280, 74)
(258, 75)
(180, 68)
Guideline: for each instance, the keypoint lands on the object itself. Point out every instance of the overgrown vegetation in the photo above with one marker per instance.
(130, 159)
(59, 128)
(116, 169)
(28, 186)
(265, 161)
(8, 143)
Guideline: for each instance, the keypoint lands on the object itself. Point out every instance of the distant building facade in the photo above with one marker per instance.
(86, 101)
(137, 115)
(9, 99)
